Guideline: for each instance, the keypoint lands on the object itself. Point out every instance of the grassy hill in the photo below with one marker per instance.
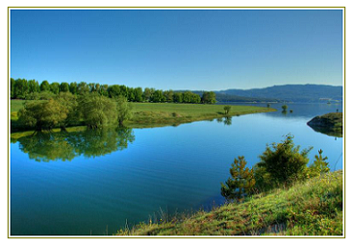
(310, 208)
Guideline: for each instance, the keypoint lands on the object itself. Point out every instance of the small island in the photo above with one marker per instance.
(330, 124)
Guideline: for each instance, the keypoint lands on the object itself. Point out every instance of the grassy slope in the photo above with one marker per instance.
(312, 208)
(159, 114)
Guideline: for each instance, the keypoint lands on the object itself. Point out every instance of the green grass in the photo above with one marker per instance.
(155, 114)
(310, 208)
(161, 114)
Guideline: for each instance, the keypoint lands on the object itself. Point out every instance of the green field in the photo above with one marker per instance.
(162, 114)
(156, 114)
(310, 208)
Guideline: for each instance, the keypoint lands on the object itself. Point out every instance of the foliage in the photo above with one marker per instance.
(69, 102)
(208, 97)
(97, 111)
(319, 166)
(123, 110)
(227, 109)
(241, 182)
(43, 115)
(284, 162)
(284, 107)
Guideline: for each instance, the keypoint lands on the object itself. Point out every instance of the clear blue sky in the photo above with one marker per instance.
(178, 49)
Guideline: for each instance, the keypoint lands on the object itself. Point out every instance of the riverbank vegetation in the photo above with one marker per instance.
(280, 195)
(137, 115)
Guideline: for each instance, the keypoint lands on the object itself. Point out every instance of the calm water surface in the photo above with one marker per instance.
(86, 183)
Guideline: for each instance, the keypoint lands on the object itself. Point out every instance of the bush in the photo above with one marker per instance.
(284, 162)
(241, 182)
(97, 111)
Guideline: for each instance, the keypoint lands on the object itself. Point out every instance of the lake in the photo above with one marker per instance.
(93, 183)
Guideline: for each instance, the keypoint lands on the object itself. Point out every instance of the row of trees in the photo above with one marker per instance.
(281, 164)
(31, 89)
(66, 109)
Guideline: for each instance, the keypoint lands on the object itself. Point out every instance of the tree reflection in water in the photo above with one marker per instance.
(66, 146)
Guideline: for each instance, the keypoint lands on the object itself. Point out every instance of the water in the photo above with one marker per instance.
(86, 183)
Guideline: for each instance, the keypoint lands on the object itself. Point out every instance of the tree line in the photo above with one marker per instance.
(32, 90)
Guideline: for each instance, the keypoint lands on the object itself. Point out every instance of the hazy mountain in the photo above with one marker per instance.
(289, 93)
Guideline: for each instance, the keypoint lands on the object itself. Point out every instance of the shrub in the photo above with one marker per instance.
(284, 162)
(241, 182)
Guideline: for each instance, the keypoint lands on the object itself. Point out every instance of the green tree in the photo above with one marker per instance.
(226, 109)
(284, 162)
(55, 88)
(69, 102)
(44, 115)
(284, 108)
(73, 88)
(114, 91)
(147, 94)
(138, 94)
(123, 110)
(45, 86)
(97, 111)
(82, 88)
(208, 97)
(319, 166)
(21, 88)
(33, 86)
(178, 97)
(241, 183)
(64, 87)
(157, 96)
(12, 88)
(168, 95)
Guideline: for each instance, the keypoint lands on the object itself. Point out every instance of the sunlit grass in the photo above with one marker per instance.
(310, 208)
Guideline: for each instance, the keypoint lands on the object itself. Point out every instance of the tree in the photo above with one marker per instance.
(284, 162)
(64, 87)
(21, 88)
(69, 102)
(33, 86)
(147, 94)
(208, 97)
(82, 88)
(226, 109)
(123, 110)
(178, 97)
(97, 111)
(284, 108)
(241, 182)
(138, 94)
(168, 95)
(187, 97)
(55, 88)
(319, 166)
(157, 96)
(73, 88)
(114, 91)
(44, 115)
(45, 86)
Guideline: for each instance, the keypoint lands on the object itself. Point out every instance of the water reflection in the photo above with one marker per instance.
(66, 146)
(226, 120)
(327, 131)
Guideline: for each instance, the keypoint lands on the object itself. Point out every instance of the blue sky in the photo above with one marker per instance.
(178, 49)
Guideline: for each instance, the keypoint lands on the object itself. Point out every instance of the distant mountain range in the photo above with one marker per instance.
(283, 93)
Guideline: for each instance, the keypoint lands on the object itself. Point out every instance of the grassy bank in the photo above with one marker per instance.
(310, 208)
(161, 114)
(153, 114)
